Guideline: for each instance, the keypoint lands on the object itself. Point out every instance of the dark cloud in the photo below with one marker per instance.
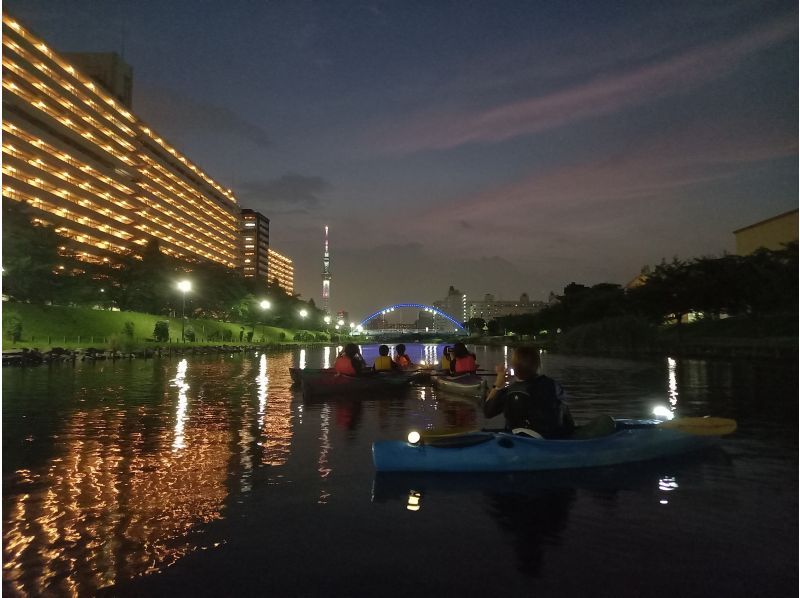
(176, 112)
(289, 194)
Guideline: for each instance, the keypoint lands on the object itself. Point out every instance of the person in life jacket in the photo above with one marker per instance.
(349, 362)
(531, 402)
(383, 363)
(447, 358)
(462, 362)
(402, 360)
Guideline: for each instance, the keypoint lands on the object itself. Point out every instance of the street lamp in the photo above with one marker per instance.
(265, 304)
(340, 322)
(327, 320)
(303, 313)
(184, 287)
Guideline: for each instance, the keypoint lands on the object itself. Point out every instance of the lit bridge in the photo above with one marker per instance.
(434, 311)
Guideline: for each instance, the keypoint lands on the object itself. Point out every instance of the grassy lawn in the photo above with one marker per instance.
(44, 326)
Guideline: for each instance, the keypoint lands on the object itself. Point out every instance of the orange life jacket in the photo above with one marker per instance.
(344, 365)
(403, 361)
(466, 365)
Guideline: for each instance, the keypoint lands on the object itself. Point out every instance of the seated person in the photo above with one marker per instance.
(349, 362)
(383, 363)
(402, 360)
(462, 361)
(532, 401)
(447, 357)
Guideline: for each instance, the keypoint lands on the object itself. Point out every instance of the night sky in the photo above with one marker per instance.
(497, 146)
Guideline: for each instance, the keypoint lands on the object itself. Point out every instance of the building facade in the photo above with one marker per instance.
(281, 271)
(454, 304)
(83, 163)
(491, 308)
(255, 244)
(772, 233)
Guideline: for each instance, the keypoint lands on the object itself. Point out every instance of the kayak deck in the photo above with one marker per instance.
(634, 440)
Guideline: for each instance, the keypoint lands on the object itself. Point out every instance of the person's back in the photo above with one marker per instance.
(463, 362)
(537, 405)
(402, 360)
(344, 365)
(383, 363)
(534, 401)
(349, 362)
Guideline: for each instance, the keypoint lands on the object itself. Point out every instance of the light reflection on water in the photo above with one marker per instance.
(117, 470)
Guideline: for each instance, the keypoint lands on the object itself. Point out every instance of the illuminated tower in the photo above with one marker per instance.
(326, 275)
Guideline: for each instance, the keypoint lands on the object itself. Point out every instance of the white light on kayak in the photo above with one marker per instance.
(413, 437)
(663, 412)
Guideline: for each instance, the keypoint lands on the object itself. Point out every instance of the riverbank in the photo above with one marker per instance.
(42, 327)
(773, 337)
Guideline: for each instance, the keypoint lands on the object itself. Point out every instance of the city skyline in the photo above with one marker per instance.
(518, 152)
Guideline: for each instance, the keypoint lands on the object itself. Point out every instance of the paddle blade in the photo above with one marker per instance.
(702, 426)
(436, 434)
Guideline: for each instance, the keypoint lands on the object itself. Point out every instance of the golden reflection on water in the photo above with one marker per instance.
(121, 491)
(276, 429)
(672, 382)
(323, 467)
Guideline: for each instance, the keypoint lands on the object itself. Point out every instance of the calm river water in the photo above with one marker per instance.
(211, 476)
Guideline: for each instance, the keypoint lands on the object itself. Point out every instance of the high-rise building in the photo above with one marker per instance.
(454, 304)
(109, 70)
(326, 275)
(281, 271)
(101, 177)
(255, 244)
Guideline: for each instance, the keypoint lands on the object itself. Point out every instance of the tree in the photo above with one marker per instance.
(30, 256)
(475, 325)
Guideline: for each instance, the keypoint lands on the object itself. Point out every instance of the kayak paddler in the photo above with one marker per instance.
(349, 362)
(532, 401)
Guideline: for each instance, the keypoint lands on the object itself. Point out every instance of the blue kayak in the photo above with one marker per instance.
(631, 440)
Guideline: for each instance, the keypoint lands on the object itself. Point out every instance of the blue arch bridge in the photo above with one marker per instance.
(439, 321)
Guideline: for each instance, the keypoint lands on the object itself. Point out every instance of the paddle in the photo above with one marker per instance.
(701, 426)
(697, 426)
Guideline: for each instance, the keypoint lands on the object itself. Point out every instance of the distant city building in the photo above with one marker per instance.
(772, 233)
(425, 321)
(491, 308)
(83, 163)
(255, 244)
(109, 70)
(454, 304)
(281, 271)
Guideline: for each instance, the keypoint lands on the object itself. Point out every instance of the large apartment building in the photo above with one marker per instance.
(281, 271)
(255, 244)
(89, 167)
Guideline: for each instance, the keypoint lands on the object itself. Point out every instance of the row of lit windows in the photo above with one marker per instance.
(42, 47)
(62, 212)
(224, 217)
(228, 237)
(59, 97)
(60, 115)
(71, 160)
(39, 183)
(226, 192)
(203, 227)
(63, 175)
(70, 70)
(192, 247)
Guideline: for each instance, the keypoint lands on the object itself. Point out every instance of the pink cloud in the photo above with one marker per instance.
(603, 95)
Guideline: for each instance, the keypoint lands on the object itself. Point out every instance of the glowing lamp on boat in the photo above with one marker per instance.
(413, 437)
(663, 412)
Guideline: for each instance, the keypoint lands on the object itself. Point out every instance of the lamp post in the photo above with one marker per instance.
(303, 313)
(265, 304)
(184, 287)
